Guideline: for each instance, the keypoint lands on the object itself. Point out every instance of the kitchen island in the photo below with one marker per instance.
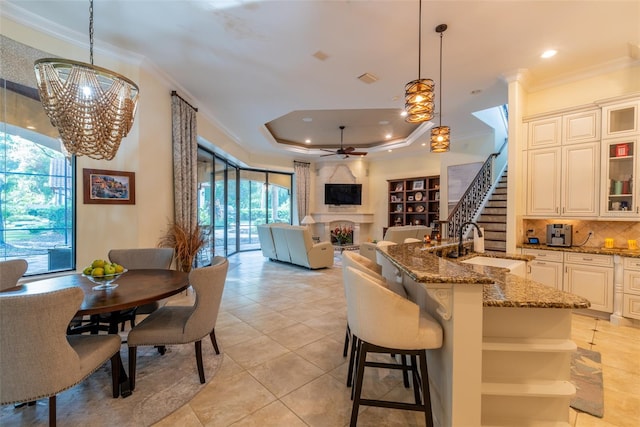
(507, 346)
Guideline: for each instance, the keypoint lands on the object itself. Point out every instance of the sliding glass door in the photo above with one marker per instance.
(233, 201)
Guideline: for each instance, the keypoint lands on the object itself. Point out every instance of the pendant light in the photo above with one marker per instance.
(440, 135)
(93, 108)
(418, 94)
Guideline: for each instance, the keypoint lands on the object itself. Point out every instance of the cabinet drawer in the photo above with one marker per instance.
(631, 282)
(631, 263)
(631, 306)
(542, 255)
(590, 259)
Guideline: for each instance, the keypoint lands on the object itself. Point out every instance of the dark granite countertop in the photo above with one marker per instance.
(500, 288)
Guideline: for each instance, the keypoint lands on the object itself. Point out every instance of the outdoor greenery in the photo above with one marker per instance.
(35, 206)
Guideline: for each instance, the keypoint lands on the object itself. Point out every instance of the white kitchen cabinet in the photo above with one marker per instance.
(620, 185)
(621, 118)
(631, 288)
(591, 277)
(546, 268)
(545, 132)
(564, 181)
(583, 126)
(580, 180)
(543, 182)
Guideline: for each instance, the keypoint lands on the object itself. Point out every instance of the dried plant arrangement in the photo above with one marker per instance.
(185, 243)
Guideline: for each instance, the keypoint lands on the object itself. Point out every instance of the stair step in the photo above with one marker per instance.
(493, 226)
(498, 197)
(496, 204)
(494, 211)
(492, 218)
(495, 235)
(495, 246)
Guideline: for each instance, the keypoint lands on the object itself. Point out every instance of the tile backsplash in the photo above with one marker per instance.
(619, 231)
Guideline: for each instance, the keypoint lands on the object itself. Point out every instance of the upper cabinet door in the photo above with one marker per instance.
(580, 179)
(545, 132)
(621, 119)
(581, 127)
(543, 182)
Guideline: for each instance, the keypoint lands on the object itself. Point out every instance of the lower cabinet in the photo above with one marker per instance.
(591, 277)
(631, 288)
(546, 268)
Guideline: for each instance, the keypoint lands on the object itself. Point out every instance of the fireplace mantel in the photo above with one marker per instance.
(324, 221)
(327, 217)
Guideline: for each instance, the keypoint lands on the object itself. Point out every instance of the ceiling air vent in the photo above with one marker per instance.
(367, 78)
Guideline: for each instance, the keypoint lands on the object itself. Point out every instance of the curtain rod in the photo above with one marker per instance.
(302, 163)
(174, 93)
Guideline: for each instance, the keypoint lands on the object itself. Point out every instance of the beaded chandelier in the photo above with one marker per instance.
(93, 108)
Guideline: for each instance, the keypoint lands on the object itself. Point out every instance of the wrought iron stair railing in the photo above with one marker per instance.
(471, 201)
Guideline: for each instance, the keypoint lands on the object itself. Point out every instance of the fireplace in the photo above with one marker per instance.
(327, 221)
(342, 232)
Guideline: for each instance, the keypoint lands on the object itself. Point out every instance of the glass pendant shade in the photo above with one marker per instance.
(440, 136)
(419, 100)
(92, 108)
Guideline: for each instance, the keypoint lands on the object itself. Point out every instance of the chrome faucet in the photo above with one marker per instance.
(461, 231)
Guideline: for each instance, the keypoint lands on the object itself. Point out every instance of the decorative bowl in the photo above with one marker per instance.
(106, 282)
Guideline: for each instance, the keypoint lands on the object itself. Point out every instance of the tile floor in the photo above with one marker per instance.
(282, 328)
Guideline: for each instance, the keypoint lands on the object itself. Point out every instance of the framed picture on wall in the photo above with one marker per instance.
(109, 187)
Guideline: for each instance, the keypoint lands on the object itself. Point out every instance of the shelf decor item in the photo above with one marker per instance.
(622, 150)
(399, 187)
(418, 185)
(418, 196)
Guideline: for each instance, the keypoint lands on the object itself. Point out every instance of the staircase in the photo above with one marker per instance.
(493, 217)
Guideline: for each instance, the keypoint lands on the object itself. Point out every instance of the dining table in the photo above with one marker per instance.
(134, 288)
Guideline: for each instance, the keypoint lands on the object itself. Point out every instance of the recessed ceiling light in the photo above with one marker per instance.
(548, 53)
(307, 119)
(383, 122)
(388, 136)
(307, 141)
(403, 113)
(31, 127)
(390, 150)
(423, 144)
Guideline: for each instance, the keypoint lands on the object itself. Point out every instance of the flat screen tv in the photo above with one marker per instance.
(343, 194)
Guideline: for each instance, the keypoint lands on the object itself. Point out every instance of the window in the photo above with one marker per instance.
(242, 200)
(36, 185)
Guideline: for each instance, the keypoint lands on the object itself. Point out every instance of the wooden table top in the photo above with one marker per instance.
(135, 287)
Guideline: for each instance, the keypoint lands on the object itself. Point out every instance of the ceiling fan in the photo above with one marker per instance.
(343, 151)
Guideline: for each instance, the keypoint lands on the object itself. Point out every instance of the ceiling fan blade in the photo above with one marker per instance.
(348, 149)
(358, 153)
(325, 155)
(328, 151)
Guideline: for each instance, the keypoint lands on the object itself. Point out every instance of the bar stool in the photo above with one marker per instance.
(384, 322)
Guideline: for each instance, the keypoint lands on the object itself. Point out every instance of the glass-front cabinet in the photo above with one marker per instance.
(620, 183)
(620, 119)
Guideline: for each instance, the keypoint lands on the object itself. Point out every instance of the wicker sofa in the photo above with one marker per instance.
(293, 244)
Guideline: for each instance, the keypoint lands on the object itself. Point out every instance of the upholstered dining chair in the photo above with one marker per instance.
(37, 358)
(138, 259)
(184, 324)
(11, 271)
(385, 322)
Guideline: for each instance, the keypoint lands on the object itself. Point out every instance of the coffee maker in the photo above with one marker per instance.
(559, 235)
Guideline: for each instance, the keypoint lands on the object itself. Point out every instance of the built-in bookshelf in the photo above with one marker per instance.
(415, 201)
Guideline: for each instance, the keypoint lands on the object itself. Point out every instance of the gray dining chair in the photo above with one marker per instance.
(37, 358)
(184, 324)
(138, 259)
(11, 271)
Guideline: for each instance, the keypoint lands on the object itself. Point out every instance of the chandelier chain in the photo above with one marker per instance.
(440, 82)
(419, 38)
(91, 32)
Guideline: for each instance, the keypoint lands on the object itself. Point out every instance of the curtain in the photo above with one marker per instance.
(185, 167)
(301, 171)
